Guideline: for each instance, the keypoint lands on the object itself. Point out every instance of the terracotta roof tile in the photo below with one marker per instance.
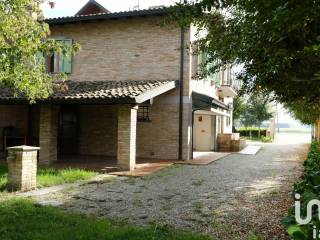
(105, 91)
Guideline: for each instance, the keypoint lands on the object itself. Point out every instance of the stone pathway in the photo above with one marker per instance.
(232, 198)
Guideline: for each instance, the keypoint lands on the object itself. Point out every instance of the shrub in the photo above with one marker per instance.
(254, 132)
(266, 139)
(309, 188)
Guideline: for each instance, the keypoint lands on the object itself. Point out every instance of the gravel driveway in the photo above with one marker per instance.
(233, 198)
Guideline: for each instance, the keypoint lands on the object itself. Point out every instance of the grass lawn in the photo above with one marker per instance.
(48, 177)
(21, 219)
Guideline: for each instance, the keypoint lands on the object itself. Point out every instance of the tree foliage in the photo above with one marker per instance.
(255, 110)
(24, 41)
(258, 107)
(239, 107)
(276, 41)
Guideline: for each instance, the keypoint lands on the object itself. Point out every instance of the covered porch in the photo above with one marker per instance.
(91, 124)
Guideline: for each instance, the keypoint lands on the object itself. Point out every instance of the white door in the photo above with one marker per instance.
(202, 132)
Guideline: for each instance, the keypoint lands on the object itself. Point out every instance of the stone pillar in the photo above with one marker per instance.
(22, 165)
(127, 125)
(48, 135)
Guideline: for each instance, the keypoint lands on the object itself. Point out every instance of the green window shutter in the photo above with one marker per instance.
(40, 58)
(66, 61)
(217, 79)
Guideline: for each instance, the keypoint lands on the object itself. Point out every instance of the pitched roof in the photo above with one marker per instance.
(92, 7)
(107, 16)
(100, 92)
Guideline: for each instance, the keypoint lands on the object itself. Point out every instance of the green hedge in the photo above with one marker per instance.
(254, 132)
(309, 188)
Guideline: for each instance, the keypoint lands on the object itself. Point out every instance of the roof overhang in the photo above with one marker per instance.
(156, 92)
(205, 102)
(124, 92)
(106, 16)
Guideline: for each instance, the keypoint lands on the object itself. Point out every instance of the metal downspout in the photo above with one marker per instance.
(180, 155)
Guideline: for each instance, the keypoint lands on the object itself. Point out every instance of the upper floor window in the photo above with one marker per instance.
(59, 62)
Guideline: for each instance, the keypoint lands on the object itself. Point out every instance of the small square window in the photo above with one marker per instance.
(144, 114)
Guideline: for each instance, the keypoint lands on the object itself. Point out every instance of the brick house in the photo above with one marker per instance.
(130, 93)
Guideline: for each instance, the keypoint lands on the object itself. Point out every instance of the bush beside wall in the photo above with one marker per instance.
(309, 188)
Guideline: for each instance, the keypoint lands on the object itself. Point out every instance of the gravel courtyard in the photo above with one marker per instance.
(237, 197)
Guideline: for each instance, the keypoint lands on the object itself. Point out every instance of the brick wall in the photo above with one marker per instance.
(16, 116)
(127, 129)
(130, 49)
(98, 130)
(159, 138)
(98, 127)
(48, 135)
(22, 169)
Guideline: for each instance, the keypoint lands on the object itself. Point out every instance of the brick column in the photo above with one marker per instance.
(127, 125)
(48, 135)
(22, 165)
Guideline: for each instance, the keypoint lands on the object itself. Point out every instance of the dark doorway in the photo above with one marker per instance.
(68, 130)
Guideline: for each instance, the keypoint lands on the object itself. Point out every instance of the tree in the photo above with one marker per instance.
(277, 42)
(259, 109)
(24, 44)
(303, 111)
(239, 107)
(247, 118)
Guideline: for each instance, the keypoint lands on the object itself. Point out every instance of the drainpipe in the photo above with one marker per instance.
(181, 93)
(192, 133)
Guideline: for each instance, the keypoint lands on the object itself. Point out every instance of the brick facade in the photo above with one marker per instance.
(127, 49)
(130, 49)
(127, 128)
(15, 116)
(48, 135)
(97, 133)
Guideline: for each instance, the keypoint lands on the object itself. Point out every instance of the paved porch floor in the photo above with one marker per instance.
(144, 166)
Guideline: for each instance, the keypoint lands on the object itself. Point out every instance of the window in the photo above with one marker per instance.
(228, 123)
(144, 114)
(59, 62)
(215, 77)
(228, 119)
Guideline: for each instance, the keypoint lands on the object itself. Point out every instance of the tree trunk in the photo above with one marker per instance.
(259, 134)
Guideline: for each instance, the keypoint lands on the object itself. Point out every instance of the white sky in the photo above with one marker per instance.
(71, 7)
